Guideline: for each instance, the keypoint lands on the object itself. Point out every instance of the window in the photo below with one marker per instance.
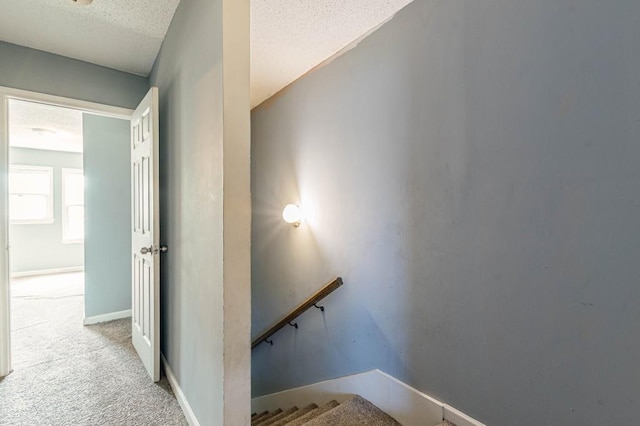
(72, 206)
(30, 194)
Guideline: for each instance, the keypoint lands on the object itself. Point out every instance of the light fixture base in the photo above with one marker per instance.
(292, 214)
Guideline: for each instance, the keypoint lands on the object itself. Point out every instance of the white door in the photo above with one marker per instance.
(145, 238)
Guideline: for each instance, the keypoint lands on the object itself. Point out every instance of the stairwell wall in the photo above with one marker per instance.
(470, 170)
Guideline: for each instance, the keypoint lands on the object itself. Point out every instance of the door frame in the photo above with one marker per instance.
(6, 94)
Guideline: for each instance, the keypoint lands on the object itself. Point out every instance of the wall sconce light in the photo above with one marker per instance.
(292, 214)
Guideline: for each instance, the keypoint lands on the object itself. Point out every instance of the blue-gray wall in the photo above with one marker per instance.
(202, 73)
(107, 198)
(38, 71)
(34, 70)
(37, 247)
(473, 171)
(190, 203)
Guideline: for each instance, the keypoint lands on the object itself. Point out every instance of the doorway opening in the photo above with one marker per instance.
(43, 193)
(46, 227)
(120, 169)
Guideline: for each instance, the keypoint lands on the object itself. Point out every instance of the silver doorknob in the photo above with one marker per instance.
(154, 250)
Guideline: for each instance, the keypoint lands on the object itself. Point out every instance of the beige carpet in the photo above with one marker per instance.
(355, 411)
(67, 374)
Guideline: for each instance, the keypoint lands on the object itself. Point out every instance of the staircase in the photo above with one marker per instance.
(354, 411)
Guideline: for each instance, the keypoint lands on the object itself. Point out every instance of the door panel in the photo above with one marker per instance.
(145, 237)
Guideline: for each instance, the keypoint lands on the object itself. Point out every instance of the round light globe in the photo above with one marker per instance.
(292, 214)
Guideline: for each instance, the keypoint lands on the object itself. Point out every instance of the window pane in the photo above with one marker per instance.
(74, 188)
(29, 182)
(28, 207)
(75, 224)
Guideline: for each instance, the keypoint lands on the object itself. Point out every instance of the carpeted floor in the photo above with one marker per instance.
(68, 374)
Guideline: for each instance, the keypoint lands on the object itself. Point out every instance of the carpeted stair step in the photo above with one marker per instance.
(256, 415)
(313, 413)
(355, 411)
(295, 415)
(266, 416)
(352, 412)
(282, 415)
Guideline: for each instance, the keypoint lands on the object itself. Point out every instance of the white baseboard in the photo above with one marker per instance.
(177, 391)
(402, 402)
(47, 271)
(459, 418)
(107, 317)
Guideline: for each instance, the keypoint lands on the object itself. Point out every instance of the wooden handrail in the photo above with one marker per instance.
(321, 294)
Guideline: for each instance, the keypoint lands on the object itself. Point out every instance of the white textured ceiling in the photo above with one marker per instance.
(40, 126)
(291, 37)
(121, 34)
(288, 37)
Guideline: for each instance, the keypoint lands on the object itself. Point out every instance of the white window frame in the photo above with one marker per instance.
(65, 214)
(50, 217)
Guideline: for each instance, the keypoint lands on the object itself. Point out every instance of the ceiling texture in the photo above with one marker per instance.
(40, 126)
(291, 37)
(122, 34)
(288, 37)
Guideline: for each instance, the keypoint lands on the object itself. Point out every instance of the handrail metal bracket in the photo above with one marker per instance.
(288, 320)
